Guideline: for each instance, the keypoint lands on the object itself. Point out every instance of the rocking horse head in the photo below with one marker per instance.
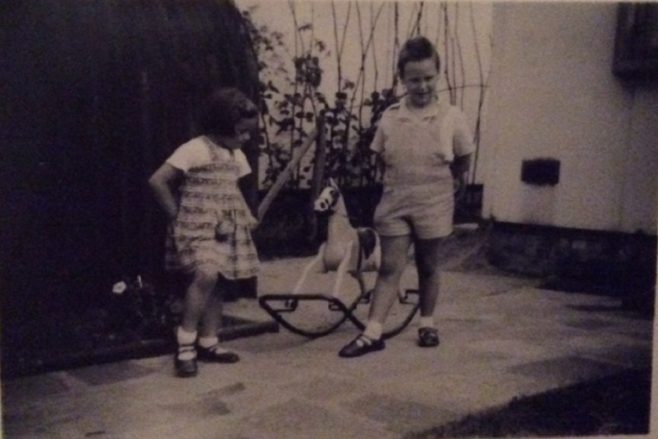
(347, 248)
(329, 199)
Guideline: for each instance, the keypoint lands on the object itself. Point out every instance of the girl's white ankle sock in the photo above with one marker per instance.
(208, 342)
(185, 337)
(373, 330)
(427, 322)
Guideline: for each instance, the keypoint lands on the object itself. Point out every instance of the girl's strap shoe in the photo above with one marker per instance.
(185, 361)
(361, 345)
(215, 354)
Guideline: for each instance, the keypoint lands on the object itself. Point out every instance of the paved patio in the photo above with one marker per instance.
(501, 338)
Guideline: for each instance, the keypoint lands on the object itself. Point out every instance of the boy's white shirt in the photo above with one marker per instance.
(195, 153)
(441, 121)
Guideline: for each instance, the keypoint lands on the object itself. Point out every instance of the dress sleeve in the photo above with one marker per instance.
(242, 162)
(463, 139)
(189, 155)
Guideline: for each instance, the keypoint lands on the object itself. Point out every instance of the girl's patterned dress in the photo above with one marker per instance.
(213, 225)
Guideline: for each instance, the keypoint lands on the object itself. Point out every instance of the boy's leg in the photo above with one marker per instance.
(394, 261)
(427, 263)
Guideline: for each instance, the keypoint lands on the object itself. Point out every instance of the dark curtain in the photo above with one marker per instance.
(96, 95)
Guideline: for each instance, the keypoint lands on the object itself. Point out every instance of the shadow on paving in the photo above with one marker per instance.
(613, 405)
(118, 346)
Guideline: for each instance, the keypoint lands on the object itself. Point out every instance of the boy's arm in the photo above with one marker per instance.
(161, 184)
(377, 144)
(464, 147)
(459, 168)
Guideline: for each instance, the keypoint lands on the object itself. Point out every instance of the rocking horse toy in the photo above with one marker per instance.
(347, 250)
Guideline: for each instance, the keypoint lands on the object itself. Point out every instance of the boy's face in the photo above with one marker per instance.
(420, 79)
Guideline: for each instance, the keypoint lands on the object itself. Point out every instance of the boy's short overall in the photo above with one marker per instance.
(422, 210)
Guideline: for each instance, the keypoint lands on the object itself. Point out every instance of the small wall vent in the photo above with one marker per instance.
(541, 172)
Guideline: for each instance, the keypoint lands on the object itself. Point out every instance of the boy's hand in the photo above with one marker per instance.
(459, 168)
(459, 186)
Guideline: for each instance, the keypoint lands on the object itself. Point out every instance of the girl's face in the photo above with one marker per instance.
(242, 135)
(420, 79)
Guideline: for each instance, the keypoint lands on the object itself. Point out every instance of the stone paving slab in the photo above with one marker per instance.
(110, 373)
(566, 370)
(502, 338)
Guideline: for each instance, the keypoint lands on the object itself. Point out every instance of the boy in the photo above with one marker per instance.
(422, 142)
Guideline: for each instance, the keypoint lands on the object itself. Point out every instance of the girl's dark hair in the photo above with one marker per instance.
(223, 109)
(417, 49)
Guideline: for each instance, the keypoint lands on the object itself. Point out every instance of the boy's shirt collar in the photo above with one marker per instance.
(432, 111)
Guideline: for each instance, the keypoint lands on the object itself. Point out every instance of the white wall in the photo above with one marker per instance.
(553, 95)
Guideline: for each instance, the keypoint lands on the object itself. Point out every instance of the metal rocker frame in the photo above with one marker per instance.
(347, 250)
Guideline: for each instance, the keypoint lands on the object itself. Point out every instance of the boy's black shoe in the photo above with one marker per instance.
(185, 368)
(428, 337)
(213, 356)
(361, 345)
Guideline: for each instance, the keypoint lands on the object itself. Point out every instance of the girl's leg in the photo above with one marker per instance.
(427, 263)
(196, 298)
(211, 321)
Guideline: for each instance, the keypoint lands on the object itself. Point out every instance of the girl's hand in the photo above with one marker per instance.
(224, 229)
(253, 221)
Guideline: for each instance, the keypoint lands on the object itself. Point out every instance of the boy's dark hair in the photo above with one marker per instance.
(417, 49)
(223, 109)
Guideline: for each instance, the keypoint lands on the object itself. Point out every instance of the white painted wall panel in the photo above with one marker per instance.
(553, 95)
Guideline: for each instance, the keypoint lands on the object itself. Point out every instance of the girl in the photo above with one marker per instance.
(421, 142)
(210, 223)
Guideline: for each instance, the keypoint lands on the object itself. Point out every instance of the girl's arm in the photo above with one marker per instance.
(161, 183)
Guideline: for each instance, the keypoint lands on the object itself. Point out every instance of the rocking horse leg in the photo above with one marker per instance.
(365, 294)
(342, 268)
(314, 264)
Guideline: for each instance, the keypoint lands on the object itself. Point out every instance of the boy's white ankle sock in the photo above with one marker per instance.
(208, 341)
(373, 330)
(185, 337)
(427, 322)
